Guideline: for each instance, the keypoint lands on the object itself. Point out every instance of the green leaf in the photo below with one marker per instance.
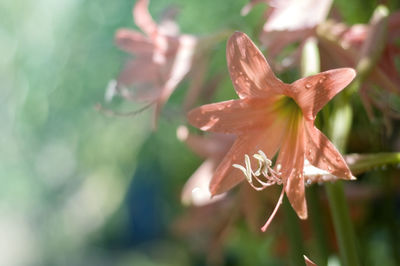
(360, 163)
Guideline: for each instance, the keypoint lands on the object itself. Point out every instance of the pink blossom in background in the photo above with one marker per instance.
(162, 58)
(289, 22)
(342, 45)
(213, 148)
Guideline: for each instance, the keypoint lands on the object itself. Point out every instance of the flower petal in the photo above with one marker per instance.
(133, 42)
(321, 153)
(215, 145)
(196, 190)
(291, 159)
(233, 116)
(269, 140)
(141, 71)
(312, 93)
(249, 6)
(143, 18)
(297, 15)
(180, 66)
(251, 75)
(308, 261)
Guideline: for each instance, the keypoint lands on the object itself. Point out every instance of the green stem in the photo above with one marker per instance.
(321, 241)
(340, 126)
(292, 228)
(342, 223)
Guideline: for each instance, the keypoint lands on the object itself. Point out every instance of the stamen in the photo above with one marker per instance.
(278, 204)
(265, 175)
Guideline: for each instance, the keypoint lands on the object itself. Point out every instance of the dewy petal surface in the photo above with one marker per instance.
(234, 116)
(321, 153)
(251, 75)
(312, 93)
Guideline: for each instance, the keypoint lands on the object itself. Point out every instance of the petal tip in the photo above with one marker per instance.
(352, 73)
(303, 215)
(237, 35)
(192, 116)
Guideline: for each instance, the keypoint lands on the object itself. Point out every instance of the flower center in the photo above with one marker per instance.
(287, 107)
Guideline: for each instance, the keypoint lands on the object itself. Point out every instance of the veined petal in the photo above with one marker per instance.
(251, 75)
(268, 140)
(312, 93)
(133, 42)
(291, 159)
(143, 18)
(321, 153)
(234, 116)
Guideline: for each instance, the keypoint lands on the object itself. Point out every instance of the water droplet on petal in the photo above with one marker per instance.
(329, 168)
(236, 81)
(337, 159)
(308, 86)
(308, 182)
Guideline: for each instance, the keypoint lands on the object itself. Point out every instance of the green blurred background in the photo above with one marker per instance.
(73, 180)
(65, 168)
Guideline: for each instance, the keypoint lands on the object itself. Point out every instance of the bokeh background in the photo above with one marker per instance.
(82, 188)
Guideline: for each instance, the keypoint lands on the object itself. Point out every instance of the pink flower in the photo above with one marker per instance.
(270, 116)
(213, 148)
(162, 58)
(289, 22)
(341, 45)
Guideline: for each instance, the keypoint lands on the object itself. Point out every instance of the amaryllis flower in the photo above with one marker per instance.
(272, 116)
(162, 58)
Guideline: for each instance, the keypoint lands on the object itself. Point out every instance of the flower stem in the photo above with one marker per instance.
(319, 230)
(292, 227)
(342, 223)
(340, 126)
